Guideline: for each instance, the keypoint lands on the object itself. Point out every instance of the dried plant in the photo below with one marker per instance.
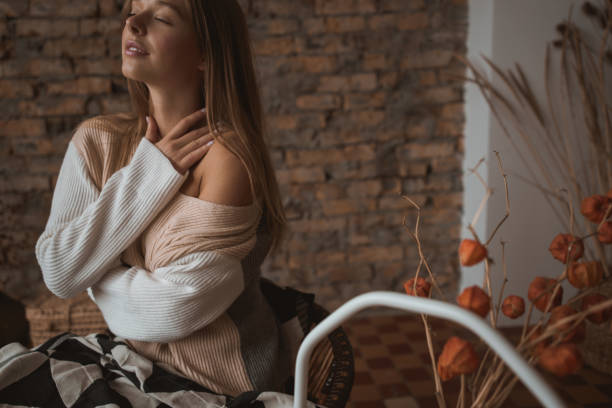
(570, 162)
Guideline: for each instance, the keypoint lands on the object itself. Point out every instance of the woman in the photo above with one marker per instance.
(175, 272)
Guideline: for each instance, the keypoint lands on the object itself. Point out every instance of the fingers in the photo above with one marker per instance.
(187, 123)
(152, 133)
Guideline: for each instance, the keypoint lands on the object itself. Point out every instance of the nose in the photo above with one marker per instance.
(135, 24)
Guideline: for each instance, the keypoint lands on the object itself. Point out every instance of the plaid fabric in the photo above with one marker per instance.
(99, 369)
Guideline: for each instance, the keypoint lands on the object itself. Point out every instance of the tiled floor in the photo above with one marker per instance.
(393, 367)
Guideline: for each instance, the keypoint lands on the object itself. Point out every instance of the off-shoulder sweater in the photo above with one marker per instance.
(178, 277)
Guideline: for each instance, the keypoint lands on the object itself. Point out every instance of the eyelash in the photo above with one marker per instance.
(159, 19)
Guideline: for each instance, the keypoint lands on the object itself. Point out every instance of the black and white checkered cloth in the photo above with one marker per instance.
(101, 370)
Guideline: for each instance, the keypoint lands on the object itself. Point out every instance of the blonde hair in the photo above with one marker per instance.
(231, 95)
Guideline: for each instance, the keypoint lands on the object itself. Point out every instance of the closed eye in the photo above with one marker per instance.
(163, 21)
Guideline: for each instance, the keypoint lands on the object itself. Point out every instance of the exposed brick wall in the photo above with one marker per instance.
(360, 109)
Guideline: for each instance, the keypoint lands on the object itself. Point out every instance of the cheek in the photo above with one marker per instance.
(175, 49)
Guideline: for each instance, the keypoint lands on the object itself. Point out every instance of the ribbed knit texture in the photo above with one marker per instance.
(176, 276)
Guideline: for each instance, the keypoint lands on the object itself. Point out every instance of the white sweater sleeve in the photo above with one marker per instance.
(172, 301)
(88, 229)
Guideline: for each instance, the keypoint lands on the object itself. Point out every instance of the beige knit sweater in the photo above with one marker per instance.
(196, 262)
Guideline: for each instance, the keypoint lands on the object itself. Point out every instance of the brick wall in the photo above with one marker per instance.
(360, 105)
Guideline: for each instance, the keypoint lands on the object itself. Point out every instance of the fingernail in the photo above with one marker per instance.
(209, 143)
(147, 119)
(203, 109)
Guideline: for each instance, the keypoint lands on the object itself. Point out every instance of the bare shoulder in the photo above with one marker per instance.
(223, 177)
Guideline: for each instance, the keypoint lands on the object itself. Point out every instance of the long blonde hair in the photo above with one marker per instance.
(231, 95)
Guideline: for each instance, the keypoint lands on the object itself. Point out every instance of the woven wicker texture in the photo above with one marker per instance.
(596, 349)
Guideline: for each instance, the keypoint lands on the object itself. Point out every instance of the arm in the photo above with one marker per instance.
(175, 300)
(88, 229)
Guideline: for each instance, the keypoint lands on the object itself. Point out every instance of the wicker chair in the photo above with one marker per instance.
(331, 369)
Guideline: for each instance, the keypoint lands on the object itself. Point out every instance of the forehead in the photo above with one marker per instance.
(177, 5)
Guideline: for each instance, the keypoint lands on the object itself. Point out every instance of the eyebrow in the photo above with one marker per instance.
(168, 4)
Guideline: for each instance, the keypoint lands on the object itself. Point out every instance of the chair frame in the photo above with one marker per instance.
(444, 310)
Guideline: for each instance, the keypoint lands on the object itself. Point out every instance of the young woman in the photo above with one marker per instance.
(167, 232)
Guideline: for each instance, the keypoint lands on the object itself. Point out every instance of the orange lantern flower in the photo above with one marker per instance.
(471, 252)
(422, 287)
(540, 291)
(562, 359)
(475, 299)
(594, 207)
(574, 335)
(585, 274)
(458, 357)
(604, 233)
(600, 316)
(513, 306)
(542, 344)
(560, 244)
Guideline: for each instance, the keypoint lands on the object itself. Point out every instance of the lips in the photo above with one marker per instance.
(134, 47)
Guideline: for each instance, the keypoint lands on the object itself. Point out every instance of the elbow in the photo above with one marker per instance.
(59, 289)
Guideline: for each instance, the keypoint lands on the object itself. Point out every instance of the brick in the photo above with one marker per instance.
(397, 202)
(320, 258)
(359, 101)
(389, 80)
(344, 24)
(314, 25)
(448, 200)
(402, 5)
(35, 67)
(275, 46)
(15, 89)
(356, 82)
(281, 26)
(362, 153)
(318, 225)
(446, 128)
(374, 254)
(412, 21)
(48, 28)
(428, 59)
(440, 94)
(22, 127)
(365, 188)
(347, 206)
(283, 122)
(344, 6)
(447, 164)
(368, 118)
(115, 104)
(13, 8)
(383, 22)
(329, 191)
(63, 8)
(427, 78)
(344, 273)
(53, 106)
(301, 175)
(313, 157)
(374, 61)
(407, 168)
(25, 183)
(426, 150)
(109, 8)
(316, 64)
(319, 101)
(98, 66)
(100, 26)
(75, 47)
(80, 86)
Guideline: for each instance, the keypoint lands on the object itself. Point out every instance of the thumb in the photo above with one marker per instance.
(152, 131)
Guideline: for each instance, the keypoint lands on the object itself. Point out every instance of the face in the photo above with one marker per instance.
(162, 28)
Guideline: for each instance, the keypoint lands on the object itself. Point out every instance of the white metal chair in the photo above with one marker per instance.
(527, 374)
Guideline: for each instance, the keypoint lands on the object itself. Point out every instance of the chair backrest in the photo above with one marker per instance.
(331, 370)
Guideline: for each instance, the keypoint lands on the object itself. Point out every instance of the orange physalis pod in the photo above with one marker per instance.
(542, 344)
(475, 299)
(574, 335)
(422, 287)
(458, 357)
(560, 245)
(562, 359)
(604, 233)
(585, 274)
(601, 316)
(513, 306)
(594, 207)
(540, 291)
(471, 252)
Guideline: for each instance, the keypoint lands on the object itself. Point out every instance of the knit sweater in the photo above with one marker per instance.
(178, 277)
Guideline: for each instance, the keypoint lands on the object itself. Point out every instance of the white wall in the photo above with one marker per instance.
(509, 32)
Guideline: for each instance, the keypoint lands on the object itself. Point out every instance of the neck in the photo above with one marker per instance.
(169, 106)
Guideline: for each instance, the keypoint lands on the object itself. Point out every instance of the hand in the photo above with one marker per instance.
(182, 147)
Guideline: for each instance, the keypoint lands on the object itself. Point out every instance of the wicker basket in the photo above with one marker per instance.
(49, 316)
(596, 349)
